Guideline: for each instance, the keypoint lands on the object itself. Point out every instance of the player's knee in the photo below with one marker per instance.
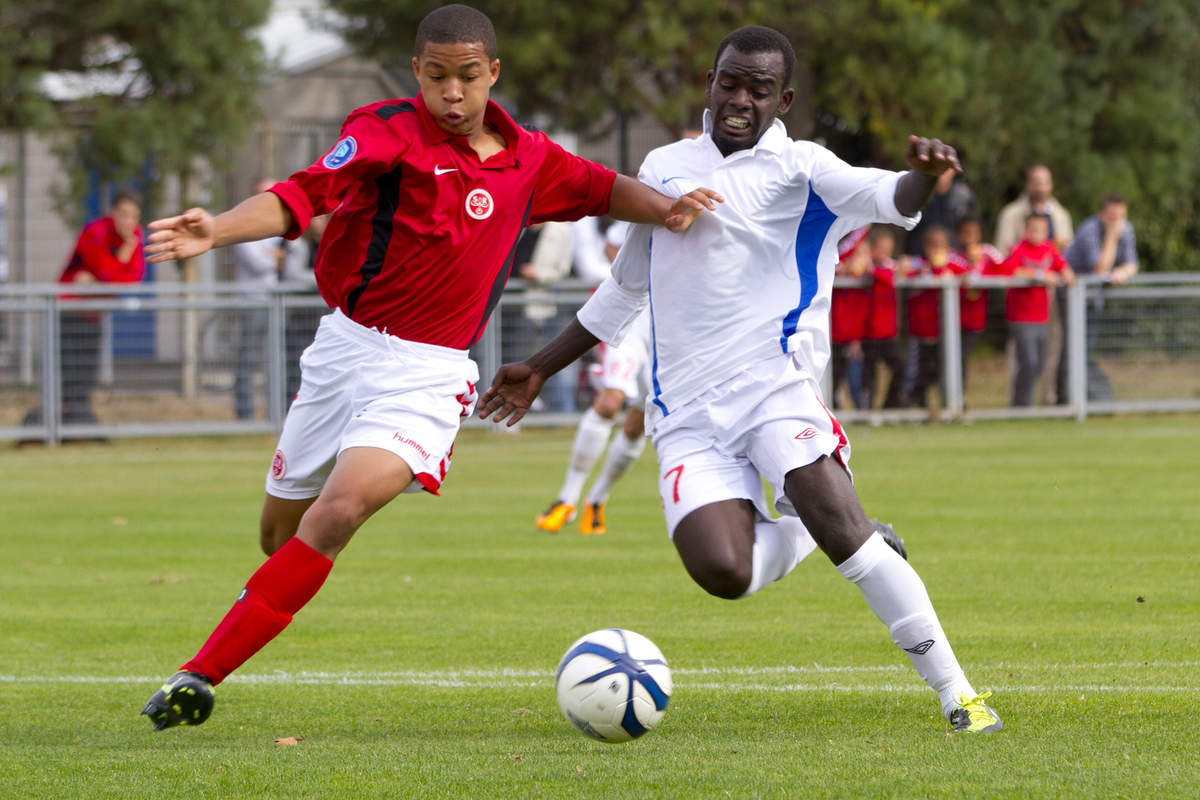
(722, 576)
(608, 404)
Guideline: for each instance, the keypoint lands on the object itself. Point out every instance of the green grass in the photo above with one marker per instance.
(1062, 559)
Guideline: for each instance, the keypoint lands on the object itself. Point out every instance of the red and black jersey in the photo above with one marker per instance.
(422, 235)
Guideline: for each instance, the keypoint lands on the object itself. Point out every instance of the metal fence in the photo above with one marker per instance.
(159, 359)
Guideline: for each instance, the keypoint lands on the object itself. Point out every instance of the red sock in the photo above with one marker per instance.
(280, 588)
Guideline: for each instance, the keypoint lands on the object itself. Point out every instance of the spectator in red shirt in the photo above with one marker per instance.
(428, 198)
(924, 313)
(1027, 308)
(849, 309)
(108, 250)
(980, 259)
(881, 340)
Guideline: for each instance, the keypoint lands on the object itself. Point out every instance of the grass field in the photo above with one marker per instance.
(1063, 558)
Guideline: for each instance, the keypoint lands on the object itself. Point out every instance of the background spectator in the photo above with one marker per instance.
(1027, 308)
(924, 315)
(1104, 245)
(108, 250)
(849, 309)
(1038, 198)
(299, 262)
(980, 259)
(256, 266)
(881, 340)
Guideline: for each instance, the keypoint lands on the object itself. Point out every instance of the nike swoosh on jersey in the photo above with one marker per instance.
(668, 180)
(440, 171)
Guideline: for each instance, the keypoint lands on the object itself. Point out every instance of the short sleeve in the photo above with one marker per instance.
(858, 194)
(616, 303)
(367, 147)
(569, 187)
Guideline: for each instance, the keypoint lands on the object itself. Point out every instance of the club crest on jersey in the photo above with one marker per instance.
(278, 466)
(479, 204)
(341, 153)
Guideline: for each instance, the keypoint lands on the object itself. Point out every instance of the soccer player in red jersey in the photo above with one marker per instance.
(428, 197)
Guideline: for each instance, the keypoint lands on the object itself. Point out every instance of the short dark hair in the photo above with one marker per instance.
(125, 196)
(760, 39)
(456, 24)
(967, 219)
(1112, 199)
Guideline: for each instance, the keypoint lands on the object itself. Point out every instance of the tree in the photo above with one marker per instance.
(176, 80)
(1102, 91)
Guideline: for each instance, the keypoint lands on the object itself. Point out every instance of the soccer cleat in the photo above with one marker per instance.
(557, 515)
(185, 699)
(891, 537)
(593, 519)
(974, 715)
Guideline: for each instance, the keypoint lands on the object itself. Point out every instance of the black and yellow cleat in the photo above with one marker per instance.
(891, 537)
(185, 699)
(974, 715)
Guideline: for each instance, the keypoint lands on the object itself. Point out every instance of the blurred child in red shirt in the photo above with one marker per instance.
(924, 313)
(1027, 308)
(981, 259)
(881, 341)
(848, 319)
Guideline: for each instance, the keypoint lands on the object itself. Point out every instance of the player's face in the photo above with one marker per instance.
(745, 91)
(455, 81)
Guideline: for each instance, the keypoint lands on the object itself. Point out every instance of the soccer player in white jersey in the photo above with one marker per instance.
(739, 310)
(625, 378)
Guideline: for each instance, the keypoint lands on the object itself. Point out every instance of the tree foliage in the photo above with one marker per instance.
(179, 79)
(1105, 92)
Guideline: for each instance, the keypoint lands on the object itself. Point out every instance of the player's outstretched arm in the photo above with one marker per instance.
(634, 201)
(515, 386)
(195, 231)
(928, 158)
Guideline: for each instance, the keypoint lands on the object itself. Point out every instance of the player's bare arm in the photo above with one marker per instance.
(633, 201)
(516, 386)
(928, 158)
(196, 231)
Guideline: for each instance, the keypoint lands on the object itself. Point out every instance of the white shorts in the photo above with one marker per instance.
(767, 421)
(363, 388)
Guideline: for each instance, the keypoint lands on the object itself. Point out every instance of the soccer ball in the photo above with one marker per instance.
(613, 685)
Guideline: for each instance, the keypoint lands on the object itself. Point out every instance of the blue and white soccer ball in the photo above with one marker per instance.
(613, 685)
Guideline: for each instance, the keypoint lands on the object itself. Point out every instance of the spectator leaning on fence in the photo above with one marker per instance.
(109, 250)
(1027, 308)
(849, 309)
(1104, 246)
(924, 315)
(1038, 198)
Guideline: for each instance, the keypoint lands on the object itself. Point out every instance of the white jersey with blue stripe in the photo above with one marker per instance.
(750, 280)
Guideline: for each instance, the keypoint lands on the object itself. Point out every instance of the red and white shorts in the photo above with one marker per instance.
(363, 388)
(764, 422)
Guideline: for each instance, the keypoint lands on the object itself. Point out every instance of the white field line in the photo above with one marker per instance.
(734, 678)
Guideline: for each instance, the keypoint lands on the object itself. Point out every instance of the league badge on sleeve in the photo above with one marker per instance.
(341, 153)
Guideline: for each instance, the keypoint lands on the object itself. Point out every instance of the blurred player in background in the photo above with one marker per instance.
(740, 320)
(625, 377)
(428, 198)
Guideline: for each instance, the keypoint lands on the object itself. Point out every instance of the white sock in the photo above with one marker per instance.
(622, 452)
(896, 594)
(779, 545)
(590, 438)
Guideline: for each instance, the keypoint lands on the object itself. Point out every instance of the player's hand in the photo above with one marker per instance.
(931, 156)
(511, 394)
(184, 236)
(686, 209)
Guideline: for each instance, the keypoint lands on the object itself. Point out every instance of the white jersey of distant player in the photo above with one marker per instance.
(751, 279)
(626, 366)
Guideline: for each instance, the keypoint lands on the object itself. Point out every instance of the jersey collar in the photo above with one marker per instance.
(493, 115)
(773, 140)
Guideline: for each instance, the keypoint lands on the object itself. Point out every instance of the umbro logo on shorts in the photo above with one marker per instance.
(921, 648)
(807, 433)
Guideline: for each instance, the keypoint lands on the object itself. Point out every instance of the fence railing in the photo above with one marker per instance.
(169, 359)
